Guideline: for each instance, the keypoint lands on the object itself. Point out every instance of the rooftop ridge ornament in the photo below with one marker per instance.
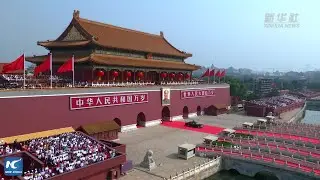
(161, 34)
(76, 14)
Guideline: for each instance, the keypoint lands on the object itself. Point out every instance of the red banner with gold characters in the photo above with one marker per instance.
(96, 101)
(195, 93)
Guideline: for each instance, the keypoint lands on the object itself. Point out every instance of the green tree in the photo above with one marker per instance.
(237, 88)
(251, 96)
(30, 69)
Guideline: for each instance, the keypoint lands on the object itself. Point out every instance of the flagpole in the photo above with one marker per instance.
(24, 71)
(51, 70)
(209, 76)
(73, 70)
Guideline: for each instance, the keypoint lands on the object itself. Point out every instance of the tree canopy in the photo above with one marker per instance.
(237, 88)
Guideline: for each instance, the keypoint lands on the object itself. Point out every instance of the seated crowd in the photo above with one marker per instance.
(10, 77)
(61, 153)
(307, 93)
(277, 101)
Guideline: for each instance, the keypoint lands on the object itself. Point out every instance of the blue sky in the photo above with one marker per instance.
(224, 33)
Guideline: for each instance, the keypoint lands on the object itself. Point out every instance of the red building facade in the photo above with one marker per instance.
(27, 114)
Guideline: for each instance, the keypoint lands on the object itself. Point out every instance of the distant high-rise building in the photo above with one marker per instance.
(263, 86)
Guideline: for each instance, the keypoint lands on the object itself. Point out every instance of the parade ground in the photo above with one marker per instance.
(164, 140)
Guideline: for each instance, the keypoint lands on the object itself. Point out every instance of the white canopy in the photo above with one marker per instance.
(262, 120)
(229, 130)
(187, 146)
(247, 124)
(211, 138)
(270, 117)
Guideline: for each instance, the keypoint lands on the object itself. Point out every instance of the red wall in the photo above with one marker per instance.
(32, 114)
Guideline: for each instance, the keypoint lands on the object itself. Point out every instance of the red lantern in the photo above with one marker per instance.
(172, 75)
(100, 74)
(128, 73)
(140, 75)
(163, 75)
(187, 76)
(115, 74)
(180, 76)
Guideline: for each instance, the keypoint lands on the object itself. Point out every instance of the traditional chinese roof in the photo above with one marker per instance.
(109, 36)
(136, 62)
(63, 43)
(100, 127)
(56, 58)
(111, 60)
(25, 137)
(11, 72)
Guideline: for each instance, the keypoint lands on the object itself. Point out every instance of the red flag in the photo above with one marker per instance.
(45, 66)
(223, 73)
(211, 73)
(18, 64)
(206, 74)
(218, 74)
(67, 66)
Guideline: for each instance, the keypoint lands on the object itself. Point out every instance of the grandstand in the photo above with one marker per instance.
(55, 156)
(276, 105)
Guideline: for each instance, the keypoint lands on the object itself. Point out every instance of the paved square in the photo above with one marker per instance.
(164, 141)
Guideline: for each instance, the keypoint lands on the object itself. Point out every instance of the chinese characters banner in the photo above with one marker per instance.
(85, 102)
(186, 94)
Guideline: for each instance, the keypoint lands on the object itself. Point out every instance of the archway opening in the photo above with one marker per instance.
(198, 111)
(265, 175)
(141, 120)
(211, 110)
(185, 112)
(165, 114)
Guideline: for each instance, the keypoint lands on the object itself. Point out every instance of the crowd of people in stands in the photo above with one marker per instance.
(10, 77)
(307, 93)
(60, 153)
(43, 81)
(277, 101)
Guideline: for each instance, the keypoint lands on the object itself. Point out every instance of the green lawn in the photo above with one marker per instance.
(224, 143)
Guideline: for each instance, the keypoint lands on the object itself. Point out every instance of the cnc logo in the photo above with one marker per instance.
(13, 166)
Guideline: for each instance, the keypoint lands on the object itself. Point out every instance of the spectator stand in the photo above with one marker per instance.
(55, 156)
(276, 105)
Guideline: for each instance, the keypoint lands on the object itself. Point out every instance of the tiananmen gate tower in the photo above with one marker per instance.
(108, 53)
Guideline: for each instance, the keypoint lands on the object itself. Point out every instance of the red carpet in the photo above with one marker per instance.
(206, 128)
(284, 136)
